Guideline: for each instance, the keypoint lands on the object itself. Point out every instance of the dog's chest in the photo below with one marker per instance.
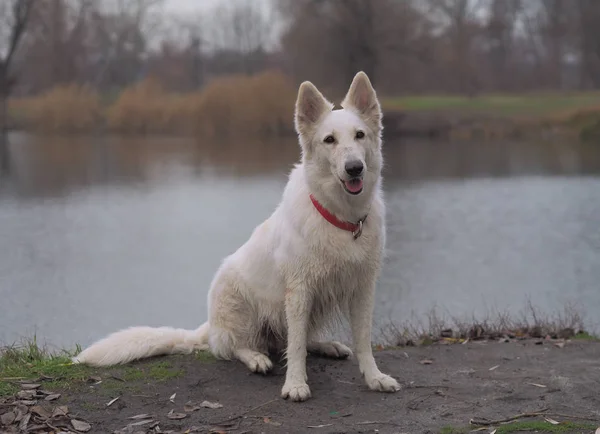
(340, 265)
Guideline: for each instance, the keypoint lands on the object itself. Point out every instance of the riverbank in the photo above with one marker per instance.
(262, 106)
(456, 377)
(552, 385)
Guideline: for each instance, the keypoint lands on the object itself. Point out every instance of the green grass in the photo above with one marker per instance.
(151, 370)
(530, 426)
(505, 105)
(205, 356)
(585, 336)
(30, 362)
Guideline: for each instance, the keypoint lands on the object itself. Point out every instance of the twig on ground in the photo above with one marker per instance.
(231, 419)
(570, 416)
(424, 386)
(377, 422)
(488, 422)
(544, 412)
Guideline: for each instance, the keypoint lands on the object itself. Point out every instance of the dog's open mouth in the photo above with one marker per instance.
(353, 186)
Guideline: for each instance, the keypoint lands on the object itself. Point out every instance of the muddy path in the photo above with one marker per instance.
(444, 387)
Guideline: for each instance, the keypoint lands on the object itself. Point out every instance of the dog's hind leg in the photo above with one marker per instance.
(235, 331)
(332, 349)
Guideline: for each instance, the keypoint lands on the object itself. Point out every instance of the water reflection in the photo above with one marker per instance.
(53, 166)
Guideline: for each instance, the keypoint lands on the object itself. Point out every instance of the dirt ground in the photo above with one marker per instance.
(444, 387)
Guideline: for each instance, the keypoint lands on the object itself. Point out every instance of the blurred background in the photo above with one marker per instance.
(143, 140)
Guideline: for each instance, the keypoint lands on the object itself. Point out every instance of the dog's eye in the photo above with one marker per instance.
(329, 139)
(360, 134)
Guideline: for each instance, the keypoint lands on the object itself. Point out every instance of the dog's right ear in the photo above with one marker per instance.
(311, 105)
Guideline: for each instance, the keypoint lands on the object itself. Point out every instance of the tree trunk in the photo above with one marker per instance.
(3, 105)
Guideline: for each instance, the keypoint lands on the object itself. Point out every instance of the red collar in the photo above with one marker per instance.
(355, 228)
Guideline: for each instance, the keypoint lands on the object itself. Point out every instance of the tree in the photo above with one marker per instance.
(239, 31)
(461, 22)
(330, 40)
(15, 15)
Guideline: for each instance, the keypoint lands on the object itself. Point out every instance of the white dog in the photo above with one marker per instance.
(315, 259)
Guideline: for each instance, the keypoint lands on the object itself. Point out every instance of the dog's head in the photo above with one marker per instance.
(341, 148)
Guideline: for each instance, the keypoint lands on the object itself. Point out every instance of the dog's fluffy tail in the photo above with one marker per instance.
(141, 342)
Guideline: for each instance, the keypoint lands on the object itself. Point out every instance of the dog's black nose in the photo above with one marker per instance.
(354, 168)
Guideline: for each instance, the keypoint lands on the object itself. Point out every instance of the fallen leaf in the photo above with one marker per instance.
(61, 410)
(27, 402)
(270, 422)
(26, 394)
(552, 421)
(176, 416)
(8, 418)
(80, 425)
(213, 405)
(141, 422)
(30, 386)
(24, 422)
(190, 406)
(426, 362)
(52, 397)
(172, 398)
(465, 342)
(559, 344)
(41, 411)
(112, 401)
(140, 416)
(537, 385)
(493, 368)
(320, 426)
(19, 413)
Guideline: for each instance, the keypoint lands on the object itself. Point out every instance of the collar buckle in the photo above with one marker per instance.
(358, 232)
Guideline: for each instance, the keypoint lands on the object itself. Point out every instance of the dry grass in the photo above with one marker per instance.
(586, 122)
(260, 105)
(65, 109)
(530, 322)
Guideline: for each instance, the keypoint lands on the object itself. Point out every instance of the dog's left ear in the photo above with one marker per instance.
(362, 99)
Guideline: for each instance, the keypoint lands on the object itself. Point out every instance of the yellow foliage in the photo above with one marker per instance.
(63, 109)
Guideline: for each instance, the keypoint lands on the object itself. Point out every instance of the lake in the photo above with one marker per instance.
(97, 234)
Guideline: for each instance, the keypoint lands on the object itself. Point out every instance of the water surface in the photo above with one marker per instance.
(102, 233)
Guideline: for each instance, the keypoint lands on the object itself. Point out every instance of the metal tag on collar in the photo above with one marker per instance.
(357, 233)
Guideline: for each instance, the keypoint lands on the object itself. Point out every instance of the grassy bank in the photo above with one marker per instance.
(529, 104)
(573, 115)
(30, 361)
(447, 389)
(262, 105)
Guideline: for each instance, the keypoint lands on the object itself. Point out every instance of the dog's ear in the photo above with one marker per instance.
(311, 105)
(362, 99)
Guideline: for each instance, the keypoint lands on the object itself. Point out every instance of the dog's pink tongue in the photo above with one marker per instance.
(354, 185)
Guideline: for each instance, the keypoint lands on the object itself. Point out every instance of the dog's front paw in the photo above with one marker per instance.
(260, 364)
(383, 383)
(295, 391)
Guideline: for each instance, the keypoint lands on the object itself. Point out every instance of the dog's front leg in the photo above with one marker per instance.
(361, 314)
(297, 312)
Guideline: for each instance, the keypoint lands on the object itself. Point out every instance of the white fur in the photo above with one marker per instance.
(297, 274)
